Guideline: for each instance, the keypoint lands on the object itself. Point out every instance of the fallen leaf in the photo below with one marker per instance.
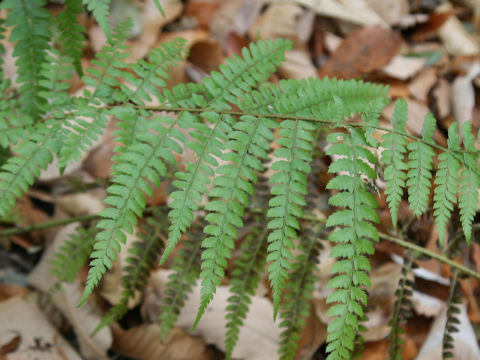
(354, 11)
(456, 39)
(84, 203)
(402, 67)
(463, 95)
(431, 27)
(258, 328)
(416, 114)
(38, 338)
(203, 11)
(465, 342)
(143, 343)
(8, 291)
(442, 95)
(206, 54)
(420, 86)
(363, 51)
(391, 11)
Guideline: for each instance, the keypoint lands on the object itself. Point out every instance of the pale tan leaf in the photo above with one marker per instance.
(463, 95)
(442, 96)
(392, 11)
(143, 343)
(420, 86)
(403, 68)
(38, 338)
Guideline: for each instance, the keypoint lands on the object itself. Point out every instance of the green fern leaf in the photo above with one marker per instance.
(446, 182)
(143, 257)
(144, 160)
(73, 255)
(71, 37)
(288, 199)
(469, 182)
(30, 21)
(395, 145)
(420, 166)
(101, 11)
(245, 279)
(353, 239)
(186, 268)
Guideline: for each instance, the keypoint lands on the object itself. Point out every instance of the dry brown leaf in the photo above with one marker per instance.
(203, 11)
(420, 86)
(463, 95)
(403, 68)
(8, 291)
(354, 11)
(281, 20)
(84, 319)
(442, 96)
(430, 27)
(206, 54)
(38, 338)
(456, 39)
(392, 11)
(465, 342)
(258, 328)
(143, 343)
(363, 51)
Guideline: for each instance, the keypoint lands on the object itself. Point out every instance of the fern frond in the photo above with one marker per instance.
(143, 257)
(469, 182)
(289, 190)
(401, 311)
(296, 305)
(446, 181)
(186, 268)
(71, 37)
(420, 163)
(353, 237)
(244, 281)
(236, 78)
(393, 157)
(30, 21)
(452, 322)
(249, 142)
(73, 255)
(144, 160)
(101, 11)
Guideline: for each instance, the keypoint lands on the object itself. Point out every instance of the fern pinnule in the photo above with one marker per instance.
(469, 182)
(244, 281)
(452, 321)
(288, 198)
(101, 11)
(395, 145)
(235, 79)
(401, 311)
(73, 255)
(71, 38)
(353, 237)
(446, 181)
(296, 305)
(420, 163)
(142, 258)
(186, 267)
(249, 142)
(31, 22)
(144, 160)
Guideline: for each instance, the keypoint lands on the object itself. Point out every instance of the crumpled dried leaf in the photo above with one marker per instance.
(84, 319)
(282, 20)
(38, 338)
(363, 51)
(258, 328)
(143, 343)
(463, 95)
(85, 203)
(354, 11)
(403, 68)
(465, 342)
(392, 11)
(420, 86)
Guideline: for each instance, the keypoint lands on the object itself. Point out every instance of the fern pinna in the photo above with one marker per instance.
(230, 121)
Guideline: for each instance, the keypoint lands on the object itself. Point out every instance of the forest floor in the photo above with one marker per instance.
(426, 51)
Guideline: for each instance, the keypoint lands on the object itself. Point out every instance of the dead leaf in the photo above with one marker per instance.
(363, 51)
(8, 291)
(403, 68)
(465, 342)
(392, 11)
(38, 338)
(84, 203)
(203, 11)
(442, 96)
(258, 328)
(430, 27)
(463, 95)
(456, 39)
(143, 343)
(416, 114)
(354, 11)
(420, 86)
(206, 54)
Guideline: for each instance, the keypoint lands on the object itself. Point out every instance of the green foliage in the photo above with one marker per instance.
(230, 121)
(73, 255)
